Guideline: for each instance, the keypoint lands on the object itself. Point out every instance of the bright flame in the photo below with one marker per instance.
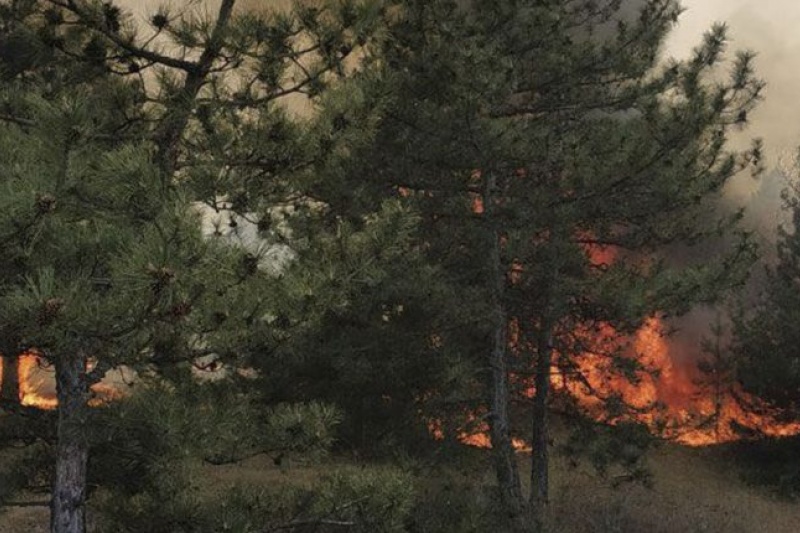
(32, 384)
(671, 402)
(474, 433)
(662, 392)
(36, 387)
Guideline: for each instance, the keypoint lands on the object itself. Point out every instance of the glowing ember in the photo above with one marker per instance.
(476, 435)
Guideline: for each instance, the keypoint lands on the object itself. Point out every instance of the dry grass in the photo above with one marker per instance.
(693, 491)
(25, 520)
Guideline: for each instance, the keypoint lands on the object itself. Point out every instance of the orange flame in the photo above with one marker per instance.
(37, 387)
(33, 384)
(664, 392)
(474, 433)
(671, 401)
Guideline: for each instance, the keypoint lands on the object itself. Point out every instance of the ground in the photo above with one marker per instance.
(693, 490)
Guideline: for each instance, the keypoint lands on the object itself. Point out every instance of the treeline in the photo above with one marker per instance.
(380, 223)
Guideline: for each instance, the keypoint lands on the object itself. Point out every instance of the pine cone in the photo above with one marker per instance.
(49, 311)
(45, 203)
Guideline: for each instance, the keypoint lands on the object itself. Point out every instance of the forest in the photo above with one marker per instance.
(389, 266)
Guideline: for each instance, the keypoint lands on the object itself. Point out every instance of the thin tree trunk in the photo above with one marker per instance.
(174, 122)
(500, 424)
(68, 510)
(10, 387)
(539, 455)
(502, 447)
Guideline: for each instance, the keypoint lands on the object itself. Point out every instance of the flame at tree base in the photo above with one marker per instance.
(37, 387)
(674, 401)
(670, 399)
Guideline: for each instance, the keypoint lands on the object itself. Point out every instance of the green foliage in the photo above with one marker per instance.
(363, 500)
(534, 139)
(453, 505)
(430, 134)
(592, 148)
(372, 499)
(216, 422)
(356, 309)
(146, 448)
(765, 344)
(23, 468)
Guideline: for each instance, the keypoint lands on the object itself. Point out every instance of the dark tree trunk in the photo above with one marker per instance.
(505, 460)
(539, 455)
(10, 387)
(68, 513)
(502, 448)
(174, 123)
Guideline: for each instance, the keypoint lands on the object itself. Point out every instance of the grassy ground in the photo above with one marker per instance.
(693, 491)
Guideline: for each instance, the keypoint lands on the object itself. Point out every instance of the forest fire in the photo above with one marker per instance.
(34, 391)
(667, 393)
(32, 384)
(639, 377)
(671, 399)
(674, 400)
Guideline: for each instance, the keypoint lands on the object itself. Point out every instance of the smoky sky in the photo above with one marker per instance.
(768, 28)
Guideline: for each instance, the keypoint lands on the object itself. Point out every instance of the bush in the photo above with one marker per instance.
(147, 451)
(772, 463)
(453, 506)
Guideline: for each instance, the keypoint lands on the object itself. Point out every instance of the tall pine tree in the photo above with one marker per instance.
(764, 350)
(106, 262)
(535, 138)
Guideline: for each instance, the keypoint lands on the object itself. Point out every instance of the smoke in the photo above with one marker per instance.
(766, 28)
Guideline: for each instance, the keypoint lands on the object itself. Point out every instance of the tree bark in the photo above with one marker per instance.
(539, 455)
(9, 390)
(502, 447)
(68, 510)
(505, 460)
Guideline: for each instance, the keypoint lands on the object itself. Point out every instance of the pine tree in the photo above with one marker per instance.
(764, 345)
(28, 61)
(532, 135)
(105, 258)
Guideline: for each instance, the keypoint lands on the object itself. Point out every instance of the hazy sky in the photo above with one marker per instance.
(769, 27)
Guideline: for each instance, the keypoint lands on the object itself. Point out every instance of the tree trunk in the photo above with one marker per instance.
(68, 513)
(9, 390)
(502, 447)
(500, 424)
(174, 122)
(539, 455)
